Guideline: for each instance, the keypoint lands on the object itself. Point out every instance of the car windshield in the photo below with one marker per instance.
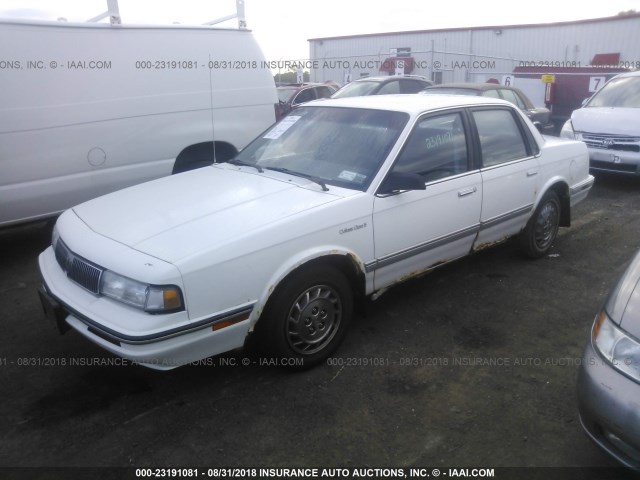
(337, 146)
(451, 91)
(284, 94)
(356, 89)
(619, 92)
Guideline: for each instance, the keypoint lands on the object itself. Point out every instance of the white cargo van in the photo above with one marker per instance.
(89, 108)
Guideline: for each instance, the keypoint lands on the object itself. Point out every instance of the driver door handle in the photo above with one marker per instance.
(467, 191)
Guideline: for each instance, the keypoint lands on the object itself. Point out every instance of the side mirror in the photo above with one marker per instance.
(398, 181)
(538, 126)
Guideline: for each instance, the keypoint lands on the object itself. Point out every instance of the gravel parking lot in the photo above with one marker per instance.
(472, 365)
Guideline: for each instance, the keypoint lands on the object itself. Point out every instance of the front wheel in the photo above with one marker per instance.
(542, 229)
(307, 317)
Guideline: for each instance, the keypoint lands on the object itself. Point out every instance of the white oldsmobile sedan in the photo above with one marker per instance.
(338, 201)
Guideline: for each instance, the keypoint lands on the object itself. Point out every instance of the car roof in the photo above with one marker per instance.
(292, 86)
(412, 104)
(471, 86)
(391, 77)
(630, 74)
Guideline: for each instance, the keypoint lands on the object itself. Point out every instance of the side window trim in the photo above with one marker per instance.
(518, 101)
(473, 140)
(533, 149)
(522, 103)
(512, 162)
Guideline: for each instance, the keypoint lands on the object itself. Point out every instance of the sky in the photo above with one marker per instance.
(282, 27)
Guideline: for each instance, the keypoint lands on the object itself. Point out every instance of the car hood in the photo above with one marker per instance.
(623, 304)
(605, 120)
(178, 216)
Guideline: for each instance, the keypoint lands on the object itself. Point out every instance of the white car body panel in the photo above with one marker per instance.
(159, 224)
(229, 235)
(175, 351)
(417, 222)
(508, 194)
(111, 315)
(613, 121)
(73, 132)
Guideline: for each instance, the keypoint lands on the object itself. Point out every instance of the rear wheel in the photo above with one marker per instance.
(542, 229)
(307, 317)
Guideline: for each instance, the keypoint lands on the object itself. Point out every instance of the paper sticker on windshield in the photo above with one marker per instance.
(284, 125)
(352, 176)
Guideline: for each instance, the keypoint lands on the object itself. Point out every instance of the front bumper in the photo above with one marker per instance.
(160, 341)
(609, 406)
(614, 161)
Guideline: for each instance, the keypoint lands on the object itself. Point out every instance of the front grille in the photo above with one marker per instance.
(78, 269)
(63, 255)
(612, 142)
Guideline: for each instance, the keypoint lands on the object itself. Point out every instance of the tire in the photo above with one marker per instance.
(542, 228)
(307, 317)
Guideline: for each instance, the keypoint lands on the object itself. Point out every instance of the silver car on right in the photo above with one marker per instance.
(609, 123)
(609, 378)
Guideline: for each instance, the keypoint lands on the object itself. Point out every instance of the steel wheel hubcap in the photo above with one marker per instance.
(313, 319)
(546, 225)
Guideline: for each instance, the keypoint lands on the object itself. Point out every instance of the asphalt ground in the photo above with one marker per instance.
(474, 364)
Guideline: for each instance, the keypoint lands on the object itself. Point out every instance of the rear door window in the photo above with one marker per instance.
(510, 96)
(390, 88)
(501, 140)
(304, 96)
(411, 86)
(491, 94)
(323, 92)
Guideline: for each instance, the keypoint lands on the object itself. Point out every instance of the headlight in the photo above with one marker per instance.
(151, 298)
(622, 351)
(567, 131)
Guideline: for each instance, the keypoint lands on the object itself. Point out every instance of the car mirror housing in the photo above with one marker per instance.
(539, 126)
(398, 181)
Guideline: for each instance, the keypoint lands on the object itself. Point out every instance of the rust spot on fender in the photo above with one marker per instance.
(422, 271)
(477, 248)
(356, 261)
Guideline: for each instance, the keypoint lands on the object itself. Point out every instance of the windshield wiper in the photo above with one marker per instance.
(317, 180)
(245, 164)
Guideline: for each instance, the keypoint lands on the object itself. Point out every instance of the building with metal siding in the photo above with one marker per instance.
(480, 53)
